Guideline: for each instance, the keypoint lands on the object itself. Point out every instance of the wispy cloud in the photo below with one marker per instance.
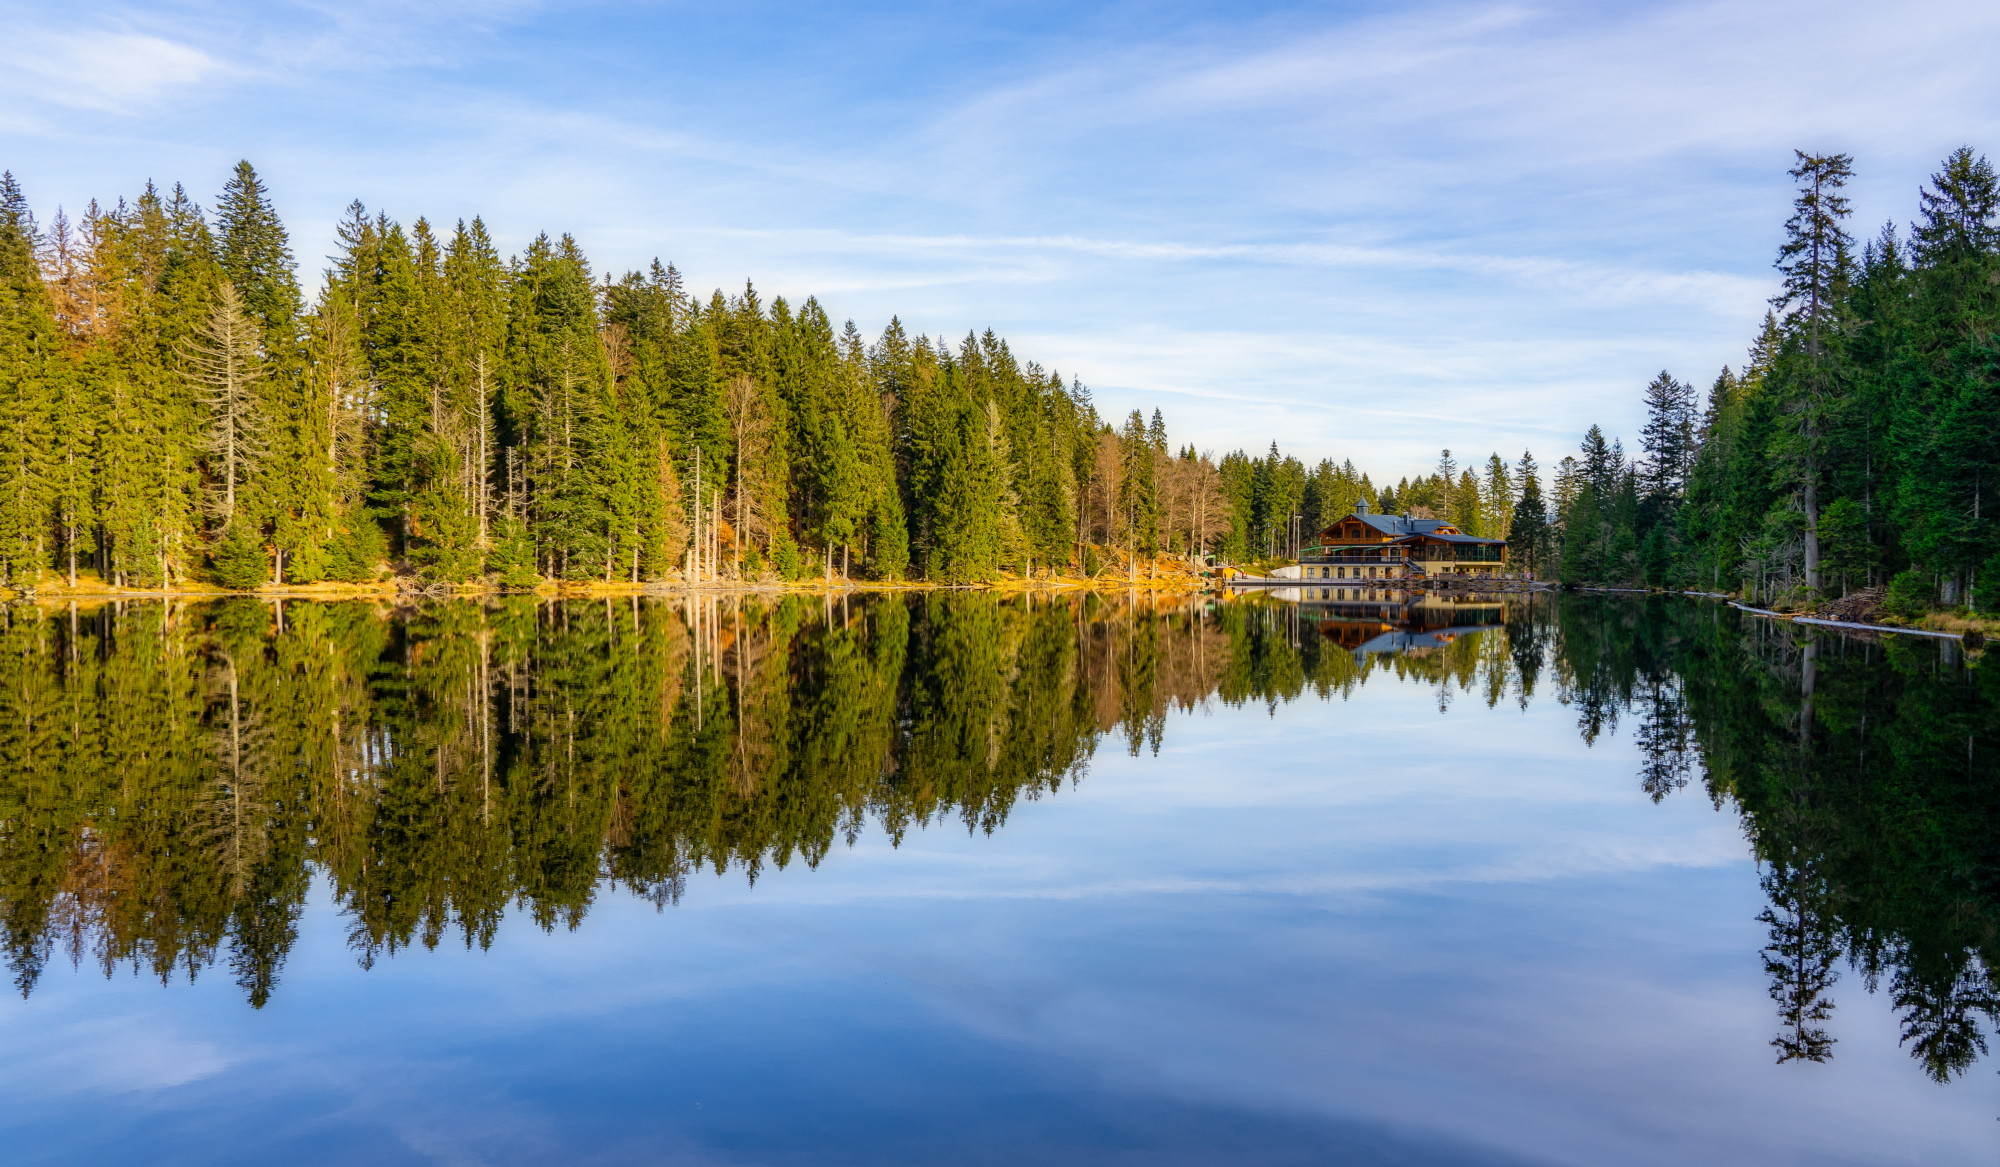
(102, 70)
(1718, 291)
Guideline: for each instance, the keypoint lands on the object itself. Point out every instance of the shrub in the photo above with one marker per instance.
(785, 557)
(238, 558)
(307, 564)
(1798, 598)
(1986, 592)
(355, 555)
(1909, 594)
(513, 557)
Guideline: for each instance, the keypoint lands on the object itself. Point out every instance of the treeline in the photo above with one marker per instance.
(1856, 448)
(172, 410)
(1284, 505)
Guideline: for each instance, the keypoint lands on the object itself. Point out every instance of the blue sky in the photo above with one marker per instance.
(1363, 231)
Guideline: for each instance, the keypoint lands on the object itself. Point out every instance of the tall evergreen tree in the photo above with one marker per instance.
(1528, 536)
(29, 385)
(1814, 260)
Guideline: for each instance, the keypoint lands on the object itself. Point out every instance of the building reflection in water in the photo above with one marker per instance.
(1367, 621)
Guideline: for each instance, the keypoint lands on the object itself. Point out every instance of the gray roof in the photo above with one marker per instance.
(1402, 526)
(1398, 640)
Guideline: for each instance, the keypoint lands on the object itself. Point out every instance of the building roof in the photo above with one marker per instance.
(1403, 526)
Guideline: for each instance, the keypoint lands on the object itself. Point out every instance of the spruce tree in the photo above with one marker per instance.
(29, 386)
(1945, 383)
(1528, 537)
(1668, 438)
(1814, 260)
(255, 254)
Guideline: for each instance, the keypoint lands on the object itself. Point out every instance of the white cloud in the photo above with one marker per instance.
(1597, 283)
(118, 1054)
(117, 72)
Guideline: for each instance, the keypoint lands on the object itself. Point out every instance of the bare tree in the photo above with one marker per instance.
(223, 363)
(1106, 479)
(749, 424)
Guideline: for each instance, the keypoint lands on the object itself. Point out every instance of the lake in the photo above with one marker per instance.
(953, 878)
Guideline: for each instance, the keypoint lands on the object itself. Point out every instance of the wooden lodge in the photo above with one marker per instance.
(1364, 546)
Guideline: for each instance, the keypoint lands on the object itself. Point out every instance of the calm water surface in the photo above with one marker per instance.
(950, 879)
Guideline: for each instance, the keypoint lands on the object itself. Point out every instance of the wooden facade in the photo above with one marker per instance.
(1364, 546)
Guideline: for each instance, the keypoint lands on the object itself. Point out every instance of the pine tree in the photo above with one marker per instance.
(29, 377)
(1466, 504)
(1945, 378)
(1529, 537)
(255, 254)
(1600, 465)
(1497, 509)
(1814, 260)
(1139, 494)
(1668, 439)
(1584, 545)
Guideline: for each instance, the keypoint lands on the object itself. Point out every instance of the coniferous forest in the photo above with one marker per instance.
(175, 412)
(1855, 446)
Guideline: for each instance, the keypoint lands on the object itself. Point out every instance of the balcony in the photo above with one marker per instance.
(1372, 557)
(1364, 556)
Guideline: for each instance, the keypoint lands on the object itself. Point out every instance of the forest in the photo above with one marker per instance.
(1852, 448)
(173, 412)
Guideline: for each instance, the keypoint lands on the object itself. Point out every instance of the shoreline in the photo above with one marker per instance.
(398, 591)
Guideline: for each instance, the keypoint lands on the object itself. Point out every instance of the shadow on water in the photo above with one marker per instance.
(172, 778)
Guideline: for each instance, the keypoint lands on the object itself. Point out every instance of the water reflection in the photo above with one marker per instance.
(174, 776)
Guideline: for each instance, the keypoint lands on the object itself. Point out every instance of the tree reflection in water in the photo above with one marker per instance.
(176, 775)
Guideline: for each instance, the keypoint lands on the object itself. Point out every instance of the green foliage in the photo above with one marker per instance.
(439, 407)
(1910, 594)
(1986, 594)
(513, 557)
(357, 550)
(239, 559)
(447, 544)
(786, 560)
(1858, 442)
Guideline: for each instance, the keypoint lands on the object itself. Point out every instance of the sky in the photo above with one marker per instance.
(1360, 231)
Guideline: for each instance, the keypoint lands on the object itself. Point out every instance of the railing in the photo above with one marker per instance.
(1363, 555)
(1370, 557)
